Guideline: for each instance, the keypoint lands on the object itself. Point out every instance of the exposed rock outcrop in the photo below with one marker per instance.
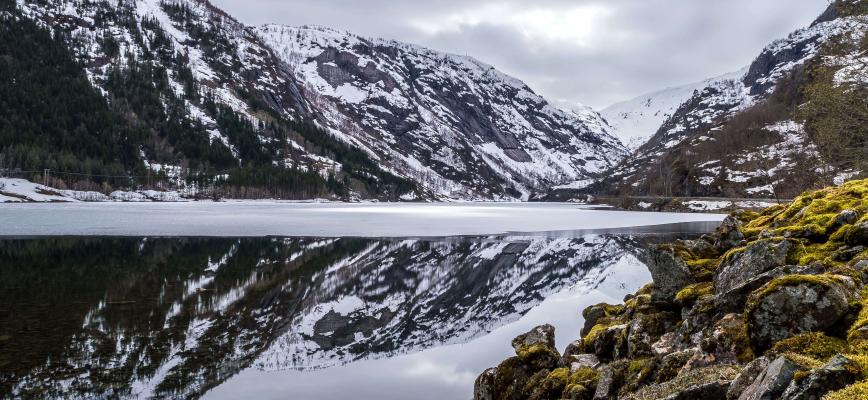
(765, 308)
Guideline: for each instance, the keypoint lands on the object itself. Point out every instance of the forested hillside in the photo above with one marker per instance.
(149, 122)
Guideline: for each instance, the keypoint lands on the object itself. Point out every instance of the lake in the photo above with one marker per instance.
(231, 300)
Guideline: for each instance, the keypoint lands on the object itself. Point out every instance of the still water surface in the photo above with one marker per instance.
(299, 318)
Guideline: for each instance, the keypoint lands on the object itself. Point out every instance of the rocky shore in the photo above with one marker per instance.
(773, 305)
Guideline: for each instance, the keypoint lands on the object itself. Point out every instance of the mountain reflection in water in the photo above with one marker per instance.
(171, 317)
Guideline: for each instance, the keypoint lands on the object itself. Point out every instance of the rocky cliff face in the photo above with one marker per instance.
(458, 126)
(743, 136)
(771, 306)
(455, 127)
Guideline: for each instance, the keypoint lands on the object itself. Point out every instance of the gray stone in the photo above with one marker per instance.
(734, 298)
(746, 377)
(483, 388)
(645, 330)
(772, 381)
(544, 334)
(671, 364)
(740, 270)
(607, 387)
(845, 217)
(715, 390)
(579, 361)
(857, 235)
(797, 308)
(837, 374)
(610, 344)
(728, 234)
(594, 313)
(669, 272)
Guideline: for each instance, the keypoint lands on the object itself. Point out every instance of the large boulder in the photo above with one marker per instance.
(733, 299)
(669, 272)
(543, 334)
(796, 304)
(737, 275)
(505, 382)
(772, 381)
(611, 379)
(837, 374)
(595, 313)
(611, 343)
(728, 234)
(645, 330)
(746, 377)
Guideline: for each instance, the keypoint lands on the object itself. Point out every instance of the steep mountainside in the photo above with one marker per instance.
(795, 119)
(635, 121)
(458, 126)
(212, 103)
(327, 114)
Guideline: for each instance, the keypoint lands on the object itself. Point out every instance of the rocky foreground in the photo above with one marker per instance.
(773, 305)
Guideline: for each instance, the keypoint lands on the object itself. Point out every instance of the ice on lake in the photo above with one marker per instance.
(246, 219)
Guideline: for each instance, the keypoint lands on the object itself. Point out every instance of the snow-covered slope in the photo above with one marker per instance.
(460, 127)
(636, 120)
(205, 53)
(737, 136)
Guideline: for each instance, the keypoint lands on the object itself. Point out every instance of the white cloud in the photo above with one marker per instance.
(595, 52)
(567, 25)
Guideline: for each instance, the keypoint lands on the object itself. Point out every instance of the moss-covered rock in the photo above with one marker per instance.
(705, 383)
(795, 304)
(538, 356)
(690, 293)
(669, 271)
(740, 268)
(772, 305)
(838, 373)
(816, 345)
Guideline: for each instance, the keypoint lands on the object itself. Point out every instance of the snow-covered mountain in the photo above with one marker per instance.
(457, 125)
(636, 120)
(454, 126)
(742, 135)
(176, 317)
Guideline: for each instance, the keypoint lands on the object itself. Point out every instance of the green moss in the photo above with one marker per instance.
(803, 361)
(646, 290)
(693, 292)
(853, 334)
(812, 216)
(538, 355)
(703, 269)
(596, 330)
(574, 391)
(585, 376)
(855, 391)
(815, 345)
(638, 301)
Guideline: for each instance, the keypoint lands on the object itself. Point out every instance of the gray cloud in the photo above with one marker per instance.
(594, 52)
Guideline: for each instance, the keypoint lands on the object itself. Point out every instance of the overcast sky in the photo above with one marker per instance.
(594, 52)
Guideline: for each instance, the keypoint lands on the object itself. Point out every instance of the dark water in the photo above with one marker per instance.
(298, 318)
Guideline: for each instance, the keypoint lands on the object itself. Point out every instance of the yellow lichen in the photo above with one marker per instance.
(855, 391)
(585, 376)
(854, 335)
(815, 345)
(693, 292)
